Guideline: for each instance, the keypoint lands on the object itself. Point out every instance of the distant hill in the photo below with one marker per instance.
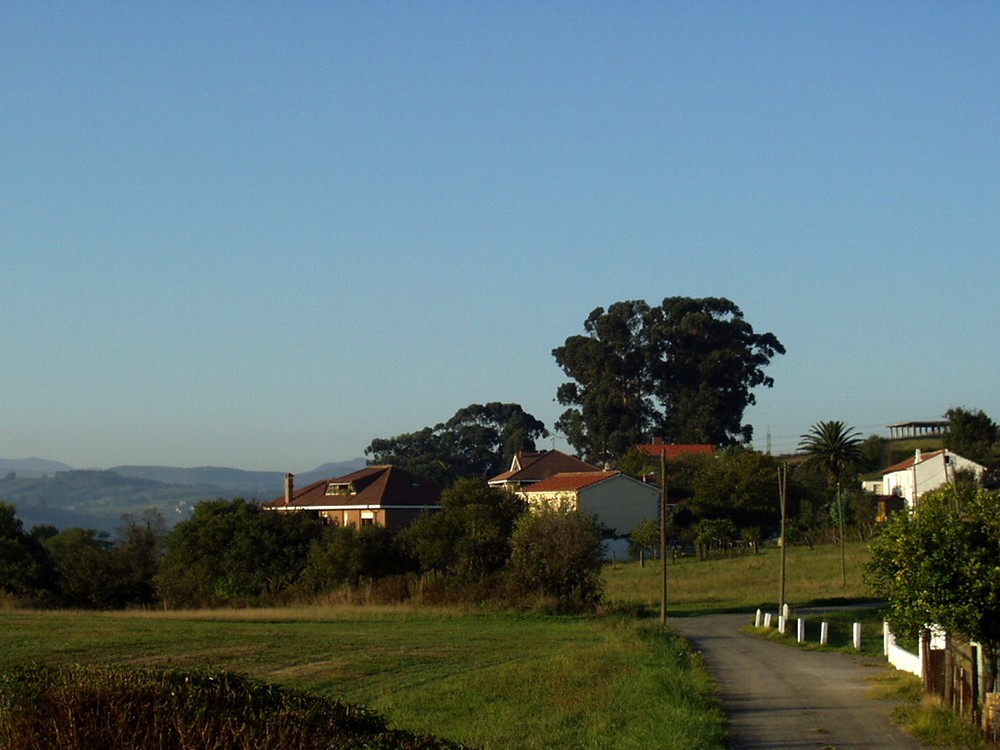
(31, 467)
(250, 484)
(66, 497)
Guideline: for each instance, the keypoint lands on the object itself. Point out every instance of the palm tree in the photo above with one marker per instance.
(833, 446)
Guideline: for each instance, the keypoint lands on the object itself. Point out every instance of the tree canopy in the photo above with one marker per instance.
(478, 441)
(470, 536)
(233, 551)
(972, 434)
(741, 486)
(940, 564)
(831, 446)
(684, 370)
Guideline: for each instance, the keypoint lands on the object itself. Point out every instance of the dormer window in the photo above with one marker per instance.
(336, 488)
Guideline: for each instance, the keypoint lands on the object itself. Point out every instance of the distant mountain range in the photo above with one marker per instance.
(51, 492)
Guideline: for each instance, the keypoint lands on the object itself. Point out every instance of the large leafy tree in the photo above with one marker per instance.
(831, 447)
(740, 486)
(972, 434)
(940, 565)
(233, 552)
(25, 569)
(478, 441)
(558, 555)
(470, 537)
(684, 370)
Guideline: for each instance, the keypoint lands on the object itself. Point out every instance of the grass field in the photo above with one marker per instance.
(496, 681)
(745, 581)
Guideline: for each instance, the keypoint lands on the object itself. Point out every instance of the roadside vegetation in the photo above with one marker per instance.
(924, 716)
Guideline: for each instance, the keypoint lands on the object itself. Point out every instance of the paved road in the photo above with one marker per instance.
(782, 698)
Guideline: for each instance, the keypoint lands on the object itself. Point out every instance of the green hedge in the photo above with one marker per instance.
(116, 708)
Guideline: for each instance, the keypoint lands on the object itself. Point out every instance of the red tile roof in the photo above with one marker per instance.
(908, 463)
(673, 451)
(570, 481)
(373, 486)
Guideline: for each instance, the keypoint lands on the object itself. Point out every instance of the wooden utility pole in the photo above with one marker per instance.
(663, 535)
(782, 498)
(843, 555)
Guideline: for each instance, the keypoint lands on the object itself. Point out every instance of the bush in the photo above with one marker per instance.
(559, 555)
(106, 707)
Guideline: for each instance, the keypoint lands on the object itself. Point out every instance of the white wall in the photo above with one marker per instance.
(620, 502)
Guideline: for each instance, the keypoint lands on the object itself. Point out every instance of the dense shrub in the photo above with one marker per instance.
(470, 536)
(349, 555)
(109, 708)
(234, 552)
(558, 555)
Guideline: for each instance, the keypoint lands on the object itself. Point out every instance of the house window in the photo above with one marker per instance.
(367, 521)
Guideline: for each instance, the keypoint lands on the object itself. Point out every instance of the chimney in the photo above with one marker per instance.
(289, 486)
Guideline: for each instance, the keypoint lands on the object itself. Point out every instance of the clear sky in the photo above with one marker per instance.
(261, 234)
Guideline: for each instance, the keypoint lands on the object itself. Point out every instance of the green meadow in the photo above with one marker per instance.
(489, 680)
(741, 581)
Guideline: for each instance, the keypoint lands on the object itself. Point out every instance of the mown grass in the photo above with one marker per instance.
(492, 681)
(740, 582)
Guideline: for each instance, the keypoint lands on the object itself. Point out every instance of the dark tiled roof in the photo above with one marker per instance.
(534, 467)
(373, 486)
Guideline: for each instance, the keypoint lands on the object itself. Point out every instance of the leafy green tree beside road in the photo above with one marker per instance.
(940, 564)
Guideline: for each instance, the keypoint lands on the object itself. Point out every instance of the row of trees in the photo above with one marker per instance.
(481, 544)
(80, 567)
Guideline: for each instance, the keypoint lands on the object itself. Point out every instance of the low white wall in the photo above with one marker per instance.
(898, 657)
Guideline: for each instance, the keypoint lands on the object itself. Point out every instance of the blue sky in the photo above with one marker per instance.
(260, 235)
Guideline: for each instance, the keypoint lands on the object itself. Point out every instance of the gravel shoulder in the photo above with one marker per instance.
(783, 698)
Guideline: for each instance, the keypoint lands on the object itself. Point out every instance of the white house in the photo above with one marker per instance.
(617, 500)
(924, 472)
